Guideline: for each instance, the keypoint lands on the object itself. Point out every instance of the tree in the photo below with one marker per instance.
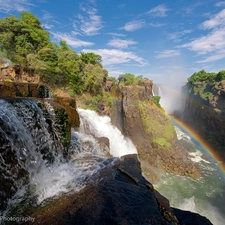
(127, 78)
(202, 75)
(220, 75)
(35, 34)
(91, 58)
(94, 77)
(70, 68)
(20, 37)
(10, 30)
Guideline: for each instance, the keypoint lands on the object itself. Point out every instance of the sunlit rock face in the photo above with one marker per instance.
(205, 112)
(151, 131)
(18, 89)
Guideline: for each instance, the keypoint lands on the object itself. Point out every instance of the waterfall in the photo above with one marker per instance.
(101, 126)
(28, 145)
(156, 90)
(32, 161)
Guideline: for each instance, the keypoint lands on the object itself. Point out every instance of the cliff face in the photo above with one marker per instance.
(205, 112)
(151, 130)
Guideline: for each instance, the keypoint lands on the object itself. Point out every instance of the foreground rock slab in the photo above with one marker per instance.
(118, 194)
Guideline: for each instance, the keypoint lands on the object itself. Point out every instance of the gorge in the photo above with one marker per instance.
(80, 147)
(84, 166)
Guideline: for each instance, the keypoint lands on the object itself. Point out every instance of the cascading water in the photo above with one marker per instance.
(102, 127)
(204, 196)
(32, 162)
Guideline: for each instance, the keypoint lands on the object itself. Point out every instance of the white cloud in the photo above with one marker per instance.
(212, 45)
(89, 22)
(116, 34)
(119, 43)
(217, 20)
(47, 26)
(176, 36)
(158, 11)
(47, 16)
(212, 42)
(114, 72)
(7, 6)
(166, 54)
(218, 4)
(116, 56)
(218, 56)
(133, 25)
(156, 24)
(72, 41)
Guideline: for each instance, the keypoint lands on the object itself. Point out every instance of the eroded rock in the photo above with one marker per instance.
(119, 194)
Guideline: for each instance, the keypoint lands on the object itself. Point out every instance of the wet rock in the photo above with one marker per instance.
(70, 106)
(30, 131)
(118, 194)
(103, 143)
(186, 218)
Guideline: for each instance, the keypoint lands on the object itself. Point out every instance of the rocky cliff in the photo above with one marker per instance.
(205, 112)
(151, 130)
(118, 193)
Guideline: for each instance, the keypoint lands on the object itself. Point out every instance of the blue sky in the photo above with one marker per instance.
(166, 41)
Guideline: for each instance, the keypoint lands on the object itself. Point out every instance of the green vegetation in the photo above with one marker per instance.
(93, 102)
(202, 83)
(156, 100)
(24, 42)
(130, 79)
(162, 142)
(157, 124)
(220, 76)
(208, 77)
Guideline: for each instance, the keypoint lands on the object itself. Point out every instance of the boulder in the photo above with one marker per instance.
(119, 194)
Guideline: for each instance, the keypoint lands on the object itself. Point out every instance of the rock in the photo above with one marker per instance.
(30, 130)
(149, 128)
(36, 90)
(118, 195)
(206, 115)
(70, 106)
(17, 89)
(103, 144)
(186, 218)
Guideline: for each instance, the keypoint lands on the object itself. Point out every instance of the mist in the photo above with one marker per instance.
(172, 98)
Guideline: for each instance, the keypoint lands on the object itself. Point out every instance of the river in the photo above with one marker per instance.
(206, 195)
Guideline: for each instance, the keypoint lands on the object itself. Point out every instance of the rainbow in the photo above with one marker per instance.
(203, 143)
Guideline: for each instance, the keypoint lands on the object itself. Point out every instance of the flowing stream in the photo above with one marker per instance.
(206, 195)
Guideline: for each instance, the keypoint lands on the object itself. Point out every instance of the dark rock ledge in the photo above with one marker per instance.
(119, 194)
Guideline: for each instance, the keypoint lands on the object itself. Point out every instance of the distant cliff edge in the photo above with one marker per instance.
(204, 109)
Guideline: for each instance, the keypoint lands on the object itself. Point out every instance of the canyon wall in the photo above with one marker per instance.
(151, 131)
(205, 112)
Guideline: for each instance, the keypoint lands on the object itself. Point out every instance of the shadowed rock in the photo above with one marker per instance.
(119, 194)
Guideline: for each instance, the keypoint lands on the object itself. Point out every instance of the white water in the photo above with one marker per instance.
(86, 159)
(101, 126)
(205, 196)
